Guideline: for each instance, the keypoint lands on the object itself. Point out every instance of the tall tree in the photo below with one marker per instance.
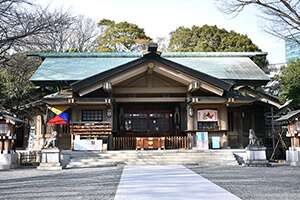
(84, 34)
(21, 19)
(122, 36)
(290, 81)
(213, 39)
(78, 34)
(283, 15)
(17, 90)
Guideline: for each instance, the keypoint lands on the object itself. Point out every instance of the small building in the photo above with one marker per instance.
(292, 121)
(8, 127)
(153, 100)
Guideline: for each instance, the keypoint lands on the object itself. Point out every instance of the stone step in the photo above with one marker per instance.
(96, 159)
(154, 156)
(104, 164)
(166, 159)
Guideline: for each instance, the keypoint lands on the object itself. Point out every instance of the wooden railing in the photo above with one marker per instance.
(129, 142)
(91, 128)
(124, 143)
(176, 142)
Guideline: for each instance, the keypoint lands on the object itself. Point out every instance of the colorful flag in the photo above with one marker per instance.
(58, 115)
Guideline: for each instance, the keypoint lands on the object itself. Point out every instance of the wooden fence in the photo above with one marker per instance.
(124, 143)
(129, 143)
(176, 142)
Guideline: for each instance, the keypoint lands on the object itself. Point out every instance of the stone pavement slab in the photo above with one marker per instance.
(173, 182)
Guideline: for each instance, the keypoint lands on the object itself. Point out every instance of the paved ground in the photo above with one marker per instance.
(88, 183)
(173, 182)
(256, 183)
(101, 183)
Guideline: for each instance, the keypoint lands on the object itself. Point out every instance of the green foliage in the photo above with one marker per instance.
(121, 36)
(213, 39)
(106, 22)
(290, 80)
(16, 87)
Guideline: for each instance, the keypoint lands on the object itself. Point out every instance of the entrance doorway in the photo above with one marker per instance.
(149, 119)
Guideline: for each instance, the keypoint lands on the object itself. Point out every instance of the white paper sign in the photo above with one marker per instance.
(202, 140)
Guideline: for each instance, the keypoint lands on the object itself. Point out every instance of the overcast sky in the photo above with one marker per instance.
(160, 17)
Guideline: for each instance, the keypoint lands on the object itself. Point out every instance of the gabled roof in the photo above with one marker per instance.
(9, 117)
(259, 95)
(289, 115)
(79, 66)
(150, 57)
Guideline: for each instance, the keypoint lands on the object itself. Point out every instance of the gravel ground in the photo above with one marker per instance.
(88, 183)
(257, 183)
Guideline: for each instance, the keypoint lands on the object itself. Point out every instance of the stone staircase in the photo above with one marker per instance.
(81, 159)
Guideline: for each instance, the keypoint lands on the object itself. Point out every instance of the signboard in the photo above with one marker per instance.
(207, 115)
(215, 142)
(86, 144)
(202, 140)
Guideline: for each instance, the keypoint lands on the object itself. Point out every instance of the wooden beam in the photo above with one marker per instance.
(179, 77)
(151, 99)
(149, 90)
(128, 75)
(105, 85)
(208, 100)
(208, 87)
(270, 102)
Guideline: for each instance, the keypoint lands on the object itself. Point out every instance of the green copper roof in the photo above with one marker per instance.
(78, 66)
(86, 54)
(233, 68)
(75, 68)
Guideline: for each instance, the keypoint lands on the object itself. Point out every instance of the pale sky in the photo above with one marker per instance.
(160, 17)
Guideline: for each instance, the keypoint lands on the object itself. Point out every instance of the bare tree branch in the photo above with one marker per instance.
(20, 19)
(283, 15)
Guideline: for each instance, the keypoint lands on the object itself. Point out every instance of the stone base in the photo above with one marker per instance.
(50, 166)
(50, 159)
(256, 157)
(293, 156)
(8, 161)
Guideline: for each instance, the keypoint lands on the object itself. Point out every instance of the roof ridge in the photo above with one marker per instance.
(84, 54)
(213, 54)
(136, 54)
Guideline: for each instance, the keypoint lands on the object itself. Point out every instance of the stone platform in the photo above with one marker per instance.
(50, 160)
(256, 157)
(8, 161)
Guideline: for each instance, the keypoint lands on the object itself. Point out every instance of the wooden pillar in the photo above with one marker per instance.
(183, 118)
(7, 142)
(39, 137)
(190, 118)
(1, 144)
(223, 118)
(295, 142)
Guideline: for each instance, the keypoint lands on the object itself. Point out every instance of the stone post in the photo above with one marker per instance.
(7, 156)
(293, 156)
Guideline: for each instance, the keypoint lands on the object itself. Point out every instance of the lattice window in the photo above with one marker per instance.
(92, 115)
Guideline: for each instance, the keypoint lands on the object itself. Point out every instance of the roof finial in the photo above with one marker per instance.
(152, 47)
